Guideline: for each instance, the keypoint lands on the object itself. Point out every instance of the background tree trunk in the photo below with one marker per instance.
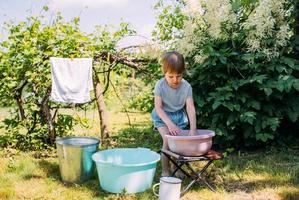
(18, 98)
(20, 106)
(46, 113)
(101, 107)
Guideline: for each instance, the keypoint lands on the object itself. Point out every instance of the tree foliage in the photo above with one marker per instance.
(25, 74)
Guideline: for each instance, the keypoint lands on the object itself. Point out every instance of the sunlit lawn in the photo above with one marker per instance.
(268, 174)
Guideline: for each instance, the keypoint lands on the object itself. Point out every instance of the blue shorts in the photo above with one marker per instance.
(179, 118)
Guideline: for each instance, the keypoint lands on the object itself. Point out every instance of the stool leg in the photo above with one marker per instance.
(177, 164)
(179, 167)
(198, 177)
(187, 187)
(208, 184)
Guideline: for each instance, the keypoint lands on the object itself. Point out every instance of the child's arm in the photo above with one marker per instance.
(192, 115)
(173, 129)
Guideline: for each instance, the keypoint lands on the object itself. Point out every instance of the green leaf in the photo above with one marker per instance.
(264, 136)
(228, 105)
(280, 68)
(242, 97)
(289, 61)
(199, 101)
(293, 115)
(254, 104)
(248, 57)
(237, 107)
(268, 91)
(216, 104)
(231, 118)
(279, 86)
(296, 85)
(223, 60)
(272, 122)
(248, 117)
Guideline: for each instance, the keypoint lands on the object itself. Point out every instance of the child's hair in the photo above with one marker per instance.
(173, 62)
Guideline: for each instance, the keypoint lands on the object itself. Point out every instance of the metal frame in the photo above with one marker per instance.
(181, 161)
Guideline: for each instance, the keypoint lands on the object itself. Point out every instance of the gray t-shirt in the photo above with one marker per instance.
(173, 99)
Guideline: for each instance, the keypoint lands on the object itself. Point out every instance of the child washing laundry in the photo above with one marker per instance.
(173, 96)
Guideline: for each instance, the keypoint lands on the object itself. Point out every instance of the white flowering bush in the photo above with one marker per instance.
(244, 68)
(262, 27)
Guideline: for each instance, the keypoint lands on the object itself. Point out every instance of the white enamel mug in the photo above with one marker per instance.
(170, 188)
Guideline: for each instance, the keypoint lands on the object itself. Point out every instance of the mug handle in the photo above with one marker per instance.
(154, 187)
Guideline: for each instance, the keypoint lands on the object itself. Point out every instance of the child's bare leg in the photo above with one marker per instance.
(165, 162)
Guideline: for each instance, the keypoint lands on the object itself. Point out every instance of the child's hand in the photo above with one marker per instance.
(192, 132)
(173, 129)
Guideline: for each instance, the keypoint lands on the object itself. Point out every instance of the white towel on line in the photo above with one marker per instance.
(71, 79)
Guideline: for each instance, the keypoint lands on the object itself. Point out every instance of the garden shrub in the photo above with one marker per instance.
(243, 66)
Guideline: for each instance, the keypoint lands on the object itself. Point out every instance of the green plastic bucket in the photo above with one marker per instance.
(129, 170)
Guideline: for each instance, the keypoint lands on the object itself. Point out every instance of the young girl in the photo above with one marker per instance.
(173, 95)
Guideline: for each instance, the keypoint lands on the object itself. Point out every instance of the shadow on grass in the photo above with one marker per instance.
(251, 186)
(135, 136)
(31, 176)
(287, 195)
(52, 171)
(250, 172)
(50, 168)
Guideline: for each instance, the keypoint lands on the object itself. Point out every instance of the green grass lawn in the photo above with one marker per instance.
(265, 174)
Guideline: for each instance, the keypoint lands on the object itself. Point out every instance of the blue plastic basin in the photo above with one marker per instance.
(127, 170)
